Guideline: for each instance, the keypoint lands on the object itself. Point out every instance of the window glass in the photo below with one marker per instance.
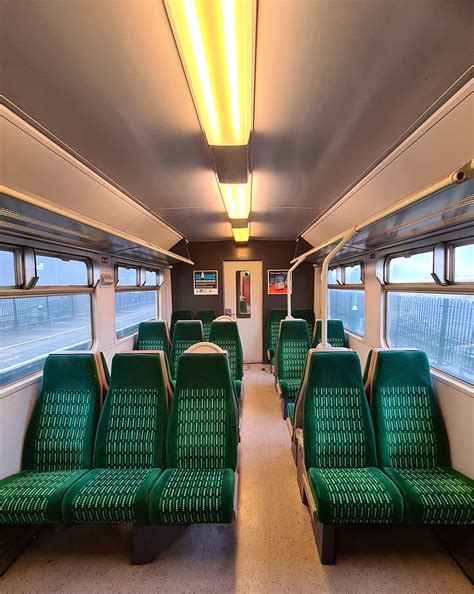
(464, 263)
(332, 280)
(353, 275)
(416, 268)
(33, 327)
(127, 277)
(348, 306)
(7, 269)
(442, 325)
(54, 272)
(150, 278)
(133, 307)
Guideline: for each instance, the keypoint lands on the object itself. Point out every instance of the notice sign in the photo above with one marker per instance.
(278, 282)
(205, 282)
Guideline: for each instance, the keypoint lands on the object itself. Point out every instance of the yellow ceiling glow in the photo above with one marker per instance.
(236, 199)
(216, 41)
(241, 235)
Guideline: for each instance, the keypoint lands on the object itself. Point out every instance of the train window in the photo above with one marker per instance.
(60, 271)
(411, 268)
(7, 268)
(437, 323)
(346, 302)
(32, 327)
(126, 276)
(135, 305)
(464, 263)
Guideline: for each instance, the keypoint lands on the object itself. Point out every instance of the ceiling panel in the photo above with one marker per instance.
(336, 84)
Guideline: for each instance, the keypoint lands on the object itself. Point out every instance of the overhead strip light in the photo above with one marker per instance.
(215, 39)
(241, 235)
(237, 199)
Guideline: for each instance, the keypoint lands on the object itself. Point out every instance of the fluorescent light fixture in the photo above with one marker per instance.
(216, 42)
(236, 199)
(241, 235)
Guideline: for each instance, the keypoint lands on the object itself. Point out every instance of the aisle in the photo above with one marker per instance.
(270, 548)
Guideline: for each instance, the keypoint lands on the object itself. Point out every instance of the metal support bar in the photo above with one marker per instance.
(324, 287)
(290, 283)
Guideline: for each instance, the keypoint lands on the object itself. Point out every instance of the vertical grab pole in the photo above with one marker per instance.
(324, 287)
(290, 284)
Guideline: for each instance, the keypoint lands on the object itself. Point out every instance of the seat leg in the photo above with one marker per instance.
(284, 408)
(294, 450)
(149, 541)
(325, 541)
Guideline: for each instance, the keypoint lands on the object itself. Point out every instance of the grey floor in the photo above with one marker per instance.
(269, 549)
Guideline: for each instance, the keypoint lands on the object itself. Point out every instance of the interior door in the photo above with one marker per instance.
(243, 301)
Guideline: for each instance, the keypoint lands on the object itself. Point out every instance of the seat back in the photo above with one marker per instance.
(132, 427)
(207, 316)
(60, 435)
(273, 330)
(336, 334)
(226, 335)
(308, 315)
(292, 348)
(186, 333)
(337, 427)
(203, 422)
(153, 336)
(177, 315)
(409, 426)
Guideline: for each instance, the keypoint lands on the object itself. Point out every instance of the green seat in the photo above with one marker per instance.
(207, 316)
(273, 329)
(339, 446)
(130, 446)
(336, 334)
(308, 315)
(198, 485)
(291, 412)
(292, 348)
(179, 314)
(186, 333)
(412, 442)
(58, 443)
(153, 336)
(226, 335)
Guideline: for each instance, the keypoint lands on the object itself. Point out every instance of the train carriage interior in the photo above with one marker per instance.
(236, 296)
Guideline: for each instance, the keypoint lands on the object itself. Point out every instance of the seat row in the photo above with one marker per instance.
(381, 464)
(275, 316)
(223, 332)
(136, 460)
(206, 316)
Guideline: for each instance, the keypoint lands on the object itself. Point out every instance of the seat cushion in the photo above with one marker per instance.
(188, 496)
(437, 495)
(355, 495)
(289, 388)
(291, 412)
(110, 496)
(35, 497)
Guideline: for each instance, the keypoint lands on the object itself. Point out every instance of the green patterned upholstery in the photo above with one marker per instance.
(58, 442)
(339, 446)
(308, 315)
(291, 412)
(153, 336)
(186, 333)
(179, 314)
(207, 316)
(273, 330)
(336, 334)
(412, 441)
(129, 448)
(293, 346)
(201, 445)
(226, 335)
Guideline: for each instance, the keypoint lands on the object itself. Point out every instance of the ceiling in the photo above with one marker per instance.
(337, 83)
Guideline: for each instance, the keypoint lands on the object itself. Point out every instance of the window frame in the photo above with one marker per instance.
(341, 285)
(17, 268)
(451, 246)
(66, 258)
(405, 253)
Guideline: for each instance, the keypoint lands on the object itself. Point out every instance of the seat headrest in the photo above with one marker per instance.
(224, 319)
(401, 368)
(156, 329)
(204, 347)
(137, 369)
(206, 315)
(294, 329)
(335, 369)
(188, 330)
(76, 371)
(204, 370)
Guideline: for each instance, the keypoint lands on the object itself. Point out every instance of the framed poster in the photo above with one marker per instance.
(205, 282)
(277, 282)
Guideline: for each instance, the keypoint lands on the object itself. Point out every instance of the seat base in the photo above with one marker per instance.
(149, 541)
(284, 407)
(325, 537)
